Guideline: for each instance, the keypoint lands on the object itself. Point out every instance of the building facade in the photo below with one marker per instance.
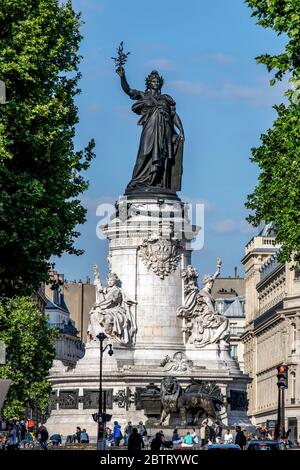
(229, 295)
(78, 297)
(68, 346)
(272, 332)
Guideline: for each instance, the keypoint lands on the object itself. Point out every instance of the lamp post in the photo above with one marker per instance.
(101, 416)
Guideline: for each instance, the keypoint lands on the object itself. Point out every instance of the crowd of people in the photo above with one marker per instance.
(16, 433)
(20, 433)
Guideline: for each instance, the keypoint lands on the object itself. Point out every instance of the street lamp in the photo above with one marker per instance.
(101, 416)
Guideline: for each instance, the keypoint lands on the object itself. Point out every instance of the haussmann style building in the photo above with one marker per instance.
(272, 332)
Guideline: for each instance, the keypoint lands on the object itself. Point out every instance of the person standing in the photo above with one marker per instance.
(117, 433)
(42, 436)
(218, 432)
(12, 438)
(142, 429)
(195, 436)
(240, 438)
(127, 432)
(135, 441)
(157, 442)
(203, 433)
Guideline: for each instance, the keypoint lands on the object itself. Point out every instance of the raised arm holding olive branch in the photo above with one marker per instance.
(159, 159)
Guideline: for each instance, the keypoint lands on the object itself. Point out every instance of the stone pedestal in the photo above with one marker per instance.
(149, 246)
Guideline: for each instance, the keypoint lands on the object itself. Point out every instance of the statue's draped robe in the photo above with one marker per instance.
(114, 311)
(159, 159)
(205, 324)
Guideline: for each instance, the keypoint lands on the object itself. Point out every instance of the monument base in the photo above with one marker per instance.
(149, 249)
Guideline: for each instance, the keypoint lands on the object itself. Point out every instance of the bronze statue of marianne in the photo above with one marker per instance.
(159, 161)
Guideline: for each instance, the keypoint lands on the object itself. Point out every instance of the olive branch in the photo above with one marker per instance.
(121, 59)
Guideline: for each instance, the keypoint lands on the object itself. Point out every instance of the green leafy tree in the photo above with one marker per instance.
(283, 16)
(277, 196)
(40, 171)
(29, 355)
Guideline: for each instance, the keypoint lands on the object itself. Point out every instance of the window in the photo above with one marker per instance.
(233, 328)
(293, 391)
(294, 338)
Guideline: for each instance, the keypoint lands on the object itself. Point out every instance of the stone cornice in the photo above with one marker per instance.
(261, 284)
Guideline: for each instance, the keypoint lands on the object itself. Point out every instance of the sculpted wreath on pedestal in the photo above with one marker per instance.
(111, 313)
(203, 325)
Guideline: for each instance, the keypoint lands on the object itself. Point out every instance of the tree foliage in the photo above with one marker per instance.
(283, 16)
(277, 196)
(40, 171)
(29, 354)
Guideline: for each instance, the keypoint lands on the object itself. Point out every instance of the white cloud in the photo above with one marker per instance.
(161, 64)
(209, 207)
(232, 90)
(230, 226)
(220, 58)
(225, 226)
(228, 90)
(261, 94)
(191, 88)
(92, 203)
(94, 108)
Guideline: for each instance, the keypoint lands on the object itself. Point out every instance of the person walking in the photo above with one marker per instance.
(135, 441)
(117, 433)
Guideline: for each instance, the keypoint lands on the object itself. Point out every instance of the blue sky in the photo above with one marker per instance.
(205, 51)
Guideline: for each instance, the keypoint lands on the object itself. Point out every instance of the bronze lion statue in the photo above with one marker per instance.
(198, 399)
